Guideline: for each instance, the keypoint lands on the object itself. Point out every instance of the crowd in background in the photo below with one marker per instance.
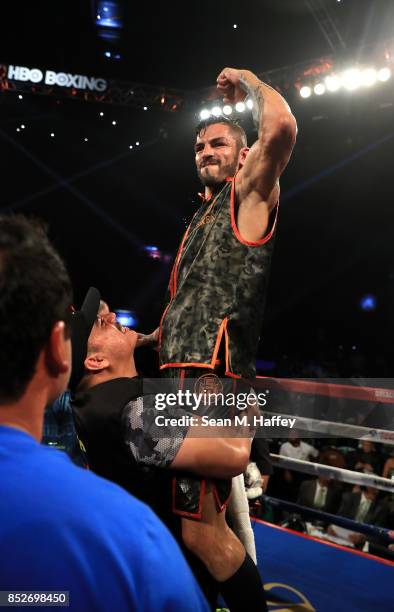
(362, 504)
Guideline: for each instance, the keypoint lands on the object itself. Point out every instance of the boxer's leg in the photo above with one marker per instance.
(216, 545)
(212, 541)
(208, 536)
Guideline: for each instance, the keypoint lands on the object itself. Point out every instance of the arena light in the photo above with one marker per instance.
(305, 91)
(368, 303)
(319, 89)
(126, 318)
(216, 111)
(333, 83)
(109, 14)
(368, 77)
(205, 114)
(153, 252)
(384, 74)
(351, 79)
(227, 109)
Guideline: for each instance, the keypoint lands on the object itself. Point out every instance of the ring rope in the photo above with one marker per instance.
(336, 473)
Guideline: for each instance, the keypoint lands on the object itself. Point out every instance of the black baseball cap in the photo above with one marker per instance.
(81, 325)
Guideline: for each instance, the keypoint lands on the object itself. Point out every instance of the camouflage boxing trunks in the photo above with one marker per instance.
(188, 490)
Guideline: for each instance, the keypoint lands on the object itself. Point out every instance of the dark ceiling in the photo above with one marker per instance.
(104, 201)
(184, 44)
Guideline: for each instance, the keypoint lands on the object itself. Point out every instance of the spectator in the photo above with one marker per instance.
(383, 548)
(388, 470)
(361, 505)
(367, 459)
(296, 448)
(321, 494)
(63, 528)
(364, 506)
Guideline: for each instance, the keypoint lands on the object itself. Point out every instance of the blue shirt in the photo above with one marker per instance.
(63, 528)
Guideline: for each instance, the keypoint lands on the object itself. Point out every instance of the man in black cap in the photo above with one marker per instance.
(120, 429)
(81, 325)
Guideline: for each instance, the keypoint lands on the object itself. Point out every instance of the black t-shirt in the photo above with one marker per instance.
(103, 423)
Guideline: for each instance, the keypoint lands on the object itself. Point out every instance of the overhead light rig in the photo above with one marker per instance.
(294, 81)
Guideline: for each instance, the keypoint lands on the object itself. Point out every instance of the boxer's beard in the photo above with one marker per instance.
(209, 180)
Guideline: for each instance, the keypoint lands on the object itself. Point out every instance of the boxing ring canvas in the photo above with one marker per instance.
(303, 573)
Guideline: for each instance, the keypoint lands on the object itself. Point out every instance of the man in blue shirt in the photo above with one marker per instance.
(62, 528)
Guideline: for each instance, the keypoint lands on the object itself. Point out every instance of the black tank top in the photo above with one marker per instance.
(218, 288)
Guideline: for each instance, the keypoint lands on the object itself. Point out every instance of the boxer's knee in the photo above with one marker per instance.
(193, 533)
(215, 545)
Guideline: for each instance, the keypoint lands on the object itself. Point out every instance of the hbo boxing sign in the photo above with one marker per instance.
(61, 79)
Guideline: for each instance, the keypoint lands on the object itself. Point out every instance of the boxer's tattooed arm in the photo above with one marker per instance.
(257, 90)
(254, 91)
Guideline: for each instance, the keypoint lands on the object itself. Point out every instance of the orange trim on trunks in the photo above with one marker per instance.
(212, 364)
(221, 506)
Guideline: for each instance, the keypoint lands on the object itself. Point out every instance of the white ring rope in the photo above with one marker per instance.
(343, 430)
(318, 469)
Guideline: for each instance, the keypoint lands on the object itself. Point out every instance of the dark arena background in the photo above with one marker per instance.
(106, 203)
(99, 101)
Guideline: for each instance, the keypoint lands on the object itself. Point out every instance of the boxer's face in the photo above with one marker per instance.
(216, 153)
